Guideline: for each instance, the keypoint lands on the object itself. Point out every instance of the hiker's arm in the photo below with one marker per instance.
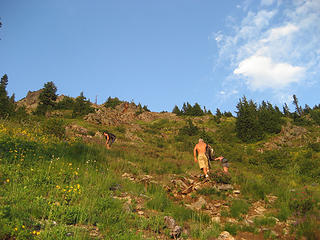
(108, 137)
(195, 153)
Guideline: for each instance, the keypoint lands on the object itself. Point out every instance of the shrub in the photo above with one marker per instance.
(238, 207)
(220, 177)
(231, 228)
(112, 102)
(189, 130)
(276, 159)
(55, 127)
(302, 202)
(315, 115)
(65, 103)
(315, 146)
(264, 221)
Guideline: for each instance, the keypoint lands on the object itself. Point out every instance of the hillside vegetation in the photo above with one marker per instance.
(58, 181)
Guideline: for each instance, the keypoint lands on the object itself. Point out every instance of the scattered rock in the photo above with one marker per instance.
(128, 176)
(217, 205)
(225, 236)
(260, 210)
(198, 204)
(225, 187)
(236, 191)
(169, 222)
(175, 230)
(216, 219)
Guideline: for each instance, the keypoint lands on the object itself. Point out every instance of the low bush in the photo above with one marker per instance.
(55, 127)
(238, 207)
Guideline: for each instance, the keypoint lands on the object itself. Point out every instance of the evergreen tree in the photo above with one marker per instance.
(6, 103)
(81, 106)
(227, 114)
(145, 108)
(218, 113)
(286, 110)
(247, 124)
(295, 102)
(269, 118)
(65, 103)
(307, 109)
(47, 98)
(196, 110)
(176, 110)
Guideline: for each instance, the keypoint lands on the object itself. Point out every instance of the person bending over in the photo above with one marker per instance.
(110, 138)
(224, 162)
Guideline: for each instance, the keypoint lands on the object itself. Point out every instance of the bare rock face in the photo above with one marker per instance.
(31, 101)
(289, 136)
(124, 113)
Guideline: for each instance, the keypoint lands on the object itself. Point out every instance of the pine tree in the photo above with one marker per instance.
(286, 110)
(196, 110)
(176, 110)
(6, 103)
(269, 118)
(81, 106)
(247, 124)
(47, 98)
(298, 108)
(218, 113)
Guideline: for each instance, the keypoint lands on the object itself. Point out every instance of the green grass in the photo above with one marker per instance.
(52, 187)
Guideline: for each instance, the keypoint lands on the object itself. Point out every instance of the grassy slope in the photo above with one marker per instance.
(52, 188)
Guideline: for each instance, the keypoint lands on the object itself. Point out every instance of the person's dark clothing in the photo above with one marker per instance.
(112, 138)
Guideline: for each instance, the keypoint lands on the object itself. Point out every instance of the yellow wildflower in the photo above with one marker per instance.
(8, 180)
(16, 229)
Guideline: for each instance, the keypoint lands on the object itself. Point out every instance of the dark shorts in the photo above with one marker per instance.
(111, 140)
(225, 164)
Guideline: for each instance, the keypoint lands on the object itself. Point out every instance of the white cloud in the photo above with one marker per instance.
(275, 34)
(222, 92)
(261, 73)
(274, 46)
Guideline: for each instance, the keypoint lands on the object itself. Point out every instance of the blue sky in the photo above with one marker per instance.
(164, 53)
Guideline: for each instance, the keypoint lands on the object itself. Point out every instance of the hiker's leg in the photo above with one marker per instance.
(107, 145)
(205, 171)
(112, 141)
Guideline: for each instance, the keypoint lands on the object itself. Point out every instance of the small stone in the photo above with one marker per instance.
(176, 232)
(225, 236)
(225, 187)
(260, 210)
(140, 212)
(199, 204)
(217, 205)
(216, 219)
(236, 191)
(170, 222)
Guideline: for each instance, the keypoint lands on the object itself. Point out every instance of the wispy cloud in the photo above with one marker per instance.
(275, 46)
